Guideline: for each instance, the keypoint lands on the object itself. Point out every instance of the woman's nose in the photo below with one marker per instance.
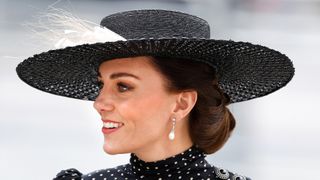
(103, 103)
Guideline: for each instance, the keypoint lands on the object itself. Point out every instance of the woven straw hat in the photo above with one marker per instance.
(245, 71)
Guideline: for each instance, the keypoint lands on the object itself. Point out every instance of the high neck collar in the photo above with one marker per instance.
(170, 164)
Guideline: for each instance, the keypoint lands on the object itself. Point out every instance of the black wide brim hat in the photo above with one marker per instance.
(244, 70)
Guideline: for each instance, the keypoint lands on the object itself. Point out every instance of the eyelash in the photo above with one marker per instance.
(100, 84)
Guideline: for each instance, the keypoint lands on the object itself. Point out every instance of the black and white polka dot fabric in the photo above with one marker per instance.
(190, 164)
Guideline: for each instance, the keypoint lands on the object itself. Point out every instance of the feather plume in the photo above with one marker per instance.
(60, 29)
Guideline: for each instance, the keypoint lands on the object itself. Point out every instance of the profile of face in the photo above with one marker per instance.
(133, 96)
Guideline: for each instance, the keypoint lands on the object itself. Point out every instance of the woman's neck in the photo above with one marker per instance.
(160, 152)
(165, 148)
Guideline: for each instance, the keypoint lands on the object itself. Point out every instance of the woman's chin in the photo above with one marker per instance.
(112, 150)
(109, 150)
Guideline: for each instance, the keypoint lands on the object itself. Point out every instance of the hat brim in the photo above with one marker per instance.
(245, 70)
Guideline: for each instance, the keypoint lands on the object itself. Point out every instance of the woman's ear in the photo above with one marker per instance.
(184, 103)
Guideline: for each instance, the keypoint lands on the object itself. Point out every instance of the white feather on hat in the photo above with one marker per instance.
(61, 29)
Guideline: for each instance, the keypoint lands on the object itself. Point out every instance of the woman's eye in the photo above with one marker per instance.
(122, 87)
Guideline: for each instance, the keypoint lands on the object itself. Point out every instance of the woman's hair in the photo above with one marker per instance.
(211, 122)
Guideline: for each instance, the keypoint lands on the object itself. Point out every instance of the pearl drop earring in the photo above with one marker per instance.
(171, 134)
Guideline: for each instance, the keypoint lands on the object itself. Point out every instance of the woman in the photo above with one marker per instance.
(161, 89)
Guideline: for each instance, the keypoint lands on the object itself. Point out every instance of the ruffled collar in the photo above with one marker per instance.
(169, 165)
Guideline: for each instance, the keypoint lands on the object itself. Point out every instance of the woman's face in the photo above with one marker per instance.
(133, 96)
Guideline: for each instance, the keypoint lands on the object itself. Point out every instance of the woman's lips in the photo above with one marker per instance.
(108, 130)
(110, 126)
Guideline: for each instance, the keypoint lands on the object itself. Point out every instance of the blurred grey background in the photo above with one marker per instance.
(276, 136)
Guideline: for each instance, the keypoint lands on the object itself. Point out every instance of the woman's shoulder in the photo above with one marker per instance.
(221, 173)
(118, 171)
(74, 174)
(68, 174)
(213, 172)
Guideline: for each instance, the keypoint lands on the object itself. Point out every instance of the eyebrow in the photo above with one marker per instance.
(120, 74)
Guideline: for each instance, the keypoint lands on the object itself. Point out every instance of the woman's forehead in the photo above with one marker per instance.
(132, 67)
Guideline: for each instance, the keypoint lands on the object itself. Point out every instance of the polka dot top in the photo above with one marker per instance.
(190, 164)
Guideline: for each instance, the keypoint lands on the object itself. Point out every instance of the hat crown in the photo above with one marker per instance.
(156, 24)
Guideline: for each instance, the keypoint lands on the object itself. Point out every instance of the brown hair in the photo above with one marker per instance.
(211, 122)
